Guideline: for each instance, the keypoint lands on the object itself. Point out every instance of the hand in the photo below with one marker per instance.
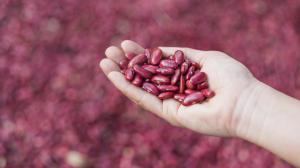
(220, 115)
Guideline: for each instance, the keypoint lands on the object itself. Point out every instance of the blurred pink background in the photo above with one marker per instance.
(57, 109)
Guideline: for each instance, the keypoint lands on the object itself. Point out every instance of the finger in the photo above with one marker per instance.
(107, 66)
(192, 54)
(131, 47)
(114, 53)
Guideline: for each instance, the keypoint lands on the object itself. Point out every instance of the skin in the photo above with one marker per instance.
(242, 107)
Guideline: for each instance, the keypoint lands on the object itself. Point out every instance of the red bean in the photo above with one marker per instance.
(189, 91)
(139, 59)
(199, 77)
(165, 71)
(179, 97)
(181, 84)
(149, 87)
(166, 95)
(202, 86)
(150, 68)
(184, 68)
(123, 63)
(141, 71)
(208, 93)
(189, 85)
(137, 81)
(147, 52)
(168, 63)
(171, 57)
(129, 74)
(190, 72)
(156, 56)
(195, 65)
(130, 55)
(175, 77)
(179, 57)
(160, 80)
(167, 88)
(193, 98)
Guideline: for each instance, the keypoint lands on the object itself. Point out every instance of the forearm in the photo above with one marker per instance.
(271, 119)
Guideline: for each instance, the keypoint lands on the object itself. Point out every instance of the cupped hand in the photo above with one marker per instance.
(220, 115)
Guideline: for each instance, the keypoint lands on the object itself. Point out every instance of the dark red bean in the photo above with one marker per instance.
(179, 97)
(168, 63)
(166, 95)
(195, 65)
(208, 93)
(202, 86)
(175, 77)
(179, 57)
(149, 87)
(137, 81)
(198, 77)
(165, 71)
(129, 74)
(160, 80)
(190, 72)
(147, 52)
(130, 55)
(141, 71)
(193, 98)
(189, 91)
(171, 57)
(156, 56)
(150, 68)
(139, 59)
(123, 63)
(167, 88)
(181, 84)
(184, 68)
(189, 85)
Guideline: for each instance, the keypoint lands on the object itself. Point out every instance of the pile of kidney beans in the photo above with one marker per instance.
(167, 77)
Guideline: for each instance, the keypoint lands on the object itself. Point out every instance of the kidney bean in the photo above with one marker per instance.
(179, 57)
(198, 77)
(208, 93)
(123, 63)
(149, 87)
(150, 68)
(141, 71)
(195, 65)
(171, 57)
(139, 59)
(165, 71)
(166, 95)
(181, 84)
(189, 91)
(175, 77)
(160, 80)
(189, 85)
(147, 52)
(137, 81)
(168, 63)
(184, 68)
(193, 98)
(167, 88)
(203, 85)
(179, 97)
(130, 55)
(190, 72)
(156, 56)
(129, 74)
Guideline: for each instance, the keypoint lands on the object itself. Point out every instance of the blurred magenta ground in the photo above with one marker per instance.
(54, 99)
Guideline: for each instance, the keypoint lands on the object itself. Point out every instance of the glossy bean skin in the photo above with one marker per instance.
(190, 72)
(156, 56)
(151, 68)
(141, 71)
(165, 95)
(208, 93)
(168, 63)
(129, 74)
(171, 57)
(198, 78)
(147, 52)
(130, 55)
(203, 85)
(189, 91)
(193, 98)
(189, 85)
(184, 68)
(179, 57)
(150, 88)
(165, 71)
(181, 84)
(123, 63)
(167, 88)
(137, 60)
(175, 77)
(179, 97)
(160, 80)
(137, 81)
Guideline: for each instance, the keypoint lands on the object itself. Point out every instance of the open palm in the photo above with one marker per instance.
(219, 115)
